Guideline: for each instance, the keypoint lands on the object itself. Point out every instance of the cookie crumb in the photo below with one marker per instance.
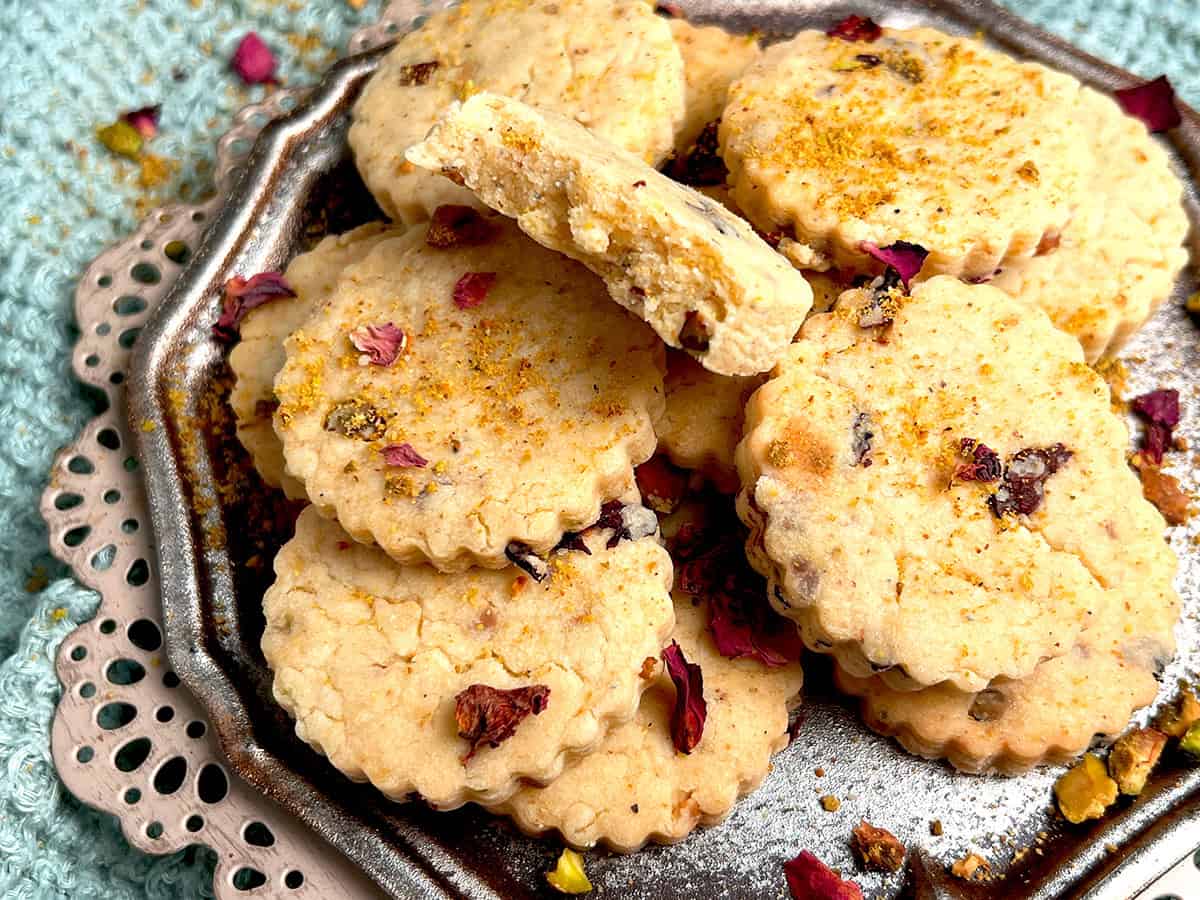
(878, 848)
(970, 866)
(935, 828)
(830, 803)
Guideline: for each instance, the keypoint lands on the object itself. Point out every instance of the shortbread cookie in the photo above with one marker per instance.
(712, 59)
(259, 355)
(513, 398)
(371, 657)
(1055, 713)
(916, 136)
(703, 421)
(899, 544)
(1119, 257)
(610, 66)
(697, 273)
(636, 787)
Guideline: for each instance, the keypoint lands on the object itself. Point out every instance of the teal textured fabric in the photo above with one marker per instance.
(65, 68)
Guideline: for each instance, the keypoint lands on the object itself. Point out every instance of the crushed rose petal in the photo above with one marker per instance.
(856, 28)
(403, 456)
(1023, 486)
(902, 256)
(381, 344)
(687, 718)
(253, 60)
(472, 289)
(810, 879)
(488, 715)
(662, 484)
(984, 462)
(1153, 102)
(702, 164)
(145, 120)
(746, 627)
(245, 294)
(522, 556)
(453, 225)
(1160, 409)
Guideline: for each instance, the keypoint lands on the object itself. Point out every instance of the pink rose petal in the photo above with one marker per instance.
(403, 456)
(382, 344)
(902, 256)
(1153, 102)
(253, 60)
(145, 120)
(243, 295)
(472, 289)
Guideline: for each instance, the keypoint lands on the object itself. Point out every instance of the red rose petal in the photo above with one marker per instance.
(403, 456)
(1160, 409)
(985, 464)
(1153, 102)
(253, 60)
(855, 28)
(687, 719)
(472, 289)
(1023, 486)
(382, 344)
(745, 627)
(145, 120)
(810, 879)
(243, 295)
(488, 715)
(902, 256)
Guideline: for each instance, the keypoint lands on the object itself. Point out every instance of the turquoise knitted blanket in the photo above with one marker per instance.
(65, 68)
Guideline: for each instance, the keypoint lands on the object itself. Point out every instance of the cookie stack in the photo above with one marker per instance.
(609, 230)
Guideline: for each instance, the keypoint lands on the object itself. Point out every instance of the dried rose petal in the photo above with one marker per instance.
(1153, 102)
(417, 73)
(403, 456)
(855, 28)
(673, 10)
(902, 256)
(1160, 409)
(145, 120)
(382, 344)
(453, 225)
(810, 879)
(862, 433)
(795, 723)
(985, 463)
(522, 556)
(701, 165)
(687, 719)
(253, 60)
(243, 295)
(662, 485)
(472, 289)
(488, 715)
(572, 540)
(744, 626)
(1021, 491)
(628, 522)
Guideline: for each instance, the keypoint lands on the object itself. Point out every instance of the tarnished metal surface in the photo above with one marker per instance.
(213, 618)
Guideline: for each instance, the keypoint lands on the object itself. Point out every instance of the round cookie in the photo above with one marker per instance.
(695, 271)
(703, 422)
(1119, 256)
(371, 657)
(916, 136)
(899, 547)
(636, 787)
(610, 66)
(520, 399)
(712, 59)
(259, 355)
(1055, 713)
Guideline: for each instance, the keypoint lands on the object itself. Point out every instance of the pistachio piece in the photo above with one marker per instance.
(1085, 791)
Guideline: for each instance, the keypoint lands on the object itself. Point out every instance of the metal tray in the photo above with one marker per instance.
(214, 565)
